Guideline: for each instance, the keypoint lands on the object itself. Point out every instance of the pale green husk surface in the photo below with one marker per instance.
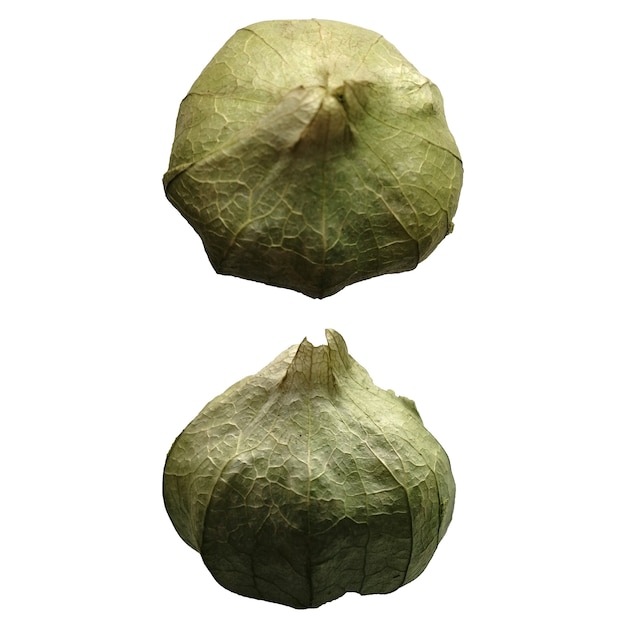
(310, 154)
(306, 481)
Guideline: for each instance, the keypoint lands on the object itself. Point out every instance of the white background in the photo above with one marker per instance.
(116, 331)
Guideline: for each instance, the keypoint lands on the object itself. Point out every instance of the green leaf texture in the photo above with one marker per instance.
(310, 155)
(307, 481)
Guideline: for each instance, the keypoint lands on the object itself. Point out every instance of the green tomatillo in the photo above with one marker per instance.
(307, 481)
(310, 154)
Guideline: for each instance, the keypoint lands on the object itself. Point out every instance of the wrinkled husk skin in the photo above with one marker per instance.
(307, 481)
(310, 155)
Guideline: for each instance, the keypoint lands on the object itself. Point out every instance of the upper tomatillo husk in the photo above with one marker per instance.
(310, 154)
